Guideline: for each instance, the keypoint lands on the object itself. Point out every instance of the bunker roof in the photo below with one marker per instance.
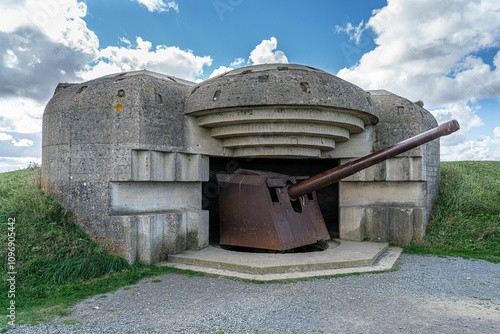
(280, 85)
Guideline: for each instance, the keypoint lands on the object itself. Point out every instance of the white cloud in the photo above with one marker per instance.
(43, 43)
(496, 132)
(429, 50)
(125, 41)
(143, 45)
(159, 5)
(10, 59)
(18, 143)
(59, 20)
(33, 64)
(164, 59)
(238, 62)
(465, 115)
(22, 115)
(485, 148)
(23, 143)
(265, 53)
(355, 33)
(5, 137)
(220, 70)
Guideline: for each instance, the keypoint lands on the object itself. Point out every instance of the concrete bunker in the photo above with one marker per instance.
(131, 154)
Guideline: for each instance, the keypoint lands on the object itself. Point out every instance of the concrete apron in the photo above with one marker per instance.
(341, 258)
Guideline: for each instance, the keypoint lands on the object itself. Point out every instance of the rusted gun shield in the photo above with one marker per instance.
(256, 212)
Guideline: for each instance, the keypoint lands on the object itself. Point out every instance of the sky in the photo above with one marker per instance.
(445, 53)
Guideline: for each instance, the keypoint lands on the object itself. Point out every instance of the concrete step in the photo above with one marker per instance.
(342, 257)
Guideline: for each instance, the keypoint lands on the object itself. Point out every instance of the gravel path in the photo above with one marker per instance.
(426, 295)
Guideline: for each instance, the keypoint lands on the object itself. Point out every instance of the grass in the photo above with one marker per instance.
(58, 265)
(466, 219)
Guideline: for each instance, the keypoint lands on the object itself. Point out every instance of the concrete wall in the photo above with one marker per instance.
(113, 155)
(392, 201)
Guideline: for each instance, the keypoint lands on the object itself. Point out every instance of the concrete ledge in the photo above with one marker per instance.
(129, 197)
(342, 257)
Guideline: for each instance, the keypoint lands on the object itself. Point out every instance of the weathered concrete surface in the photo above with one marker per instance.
(280, 85)
(100, 138)
(392, 200)
(128, 154)
(278, 110)
(342, 257)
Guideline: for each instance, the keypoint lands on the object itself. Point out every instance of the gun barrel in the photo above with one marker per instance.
(333, 175)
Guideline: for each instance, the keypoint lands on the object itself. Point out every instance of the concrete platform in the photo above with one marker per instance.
(342, 257)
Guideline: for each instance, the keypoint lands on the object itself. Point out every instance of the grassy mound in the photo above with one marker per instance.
(50, 249)
(466, 219)
(56, 263)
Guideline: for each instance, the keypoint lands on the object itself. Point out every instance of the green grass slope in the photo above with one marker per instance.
(55, 262)
(466, 219)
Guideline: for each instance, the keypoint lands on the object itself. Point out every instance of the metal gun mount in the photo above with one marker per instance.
(278, 212)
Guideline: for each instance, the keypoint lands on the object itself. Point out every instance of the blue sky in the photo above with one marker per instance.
(445, 53)
(230, 29)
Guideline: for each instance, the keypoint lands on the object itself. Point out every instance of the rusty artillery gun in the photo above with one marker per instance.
(266, 210)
